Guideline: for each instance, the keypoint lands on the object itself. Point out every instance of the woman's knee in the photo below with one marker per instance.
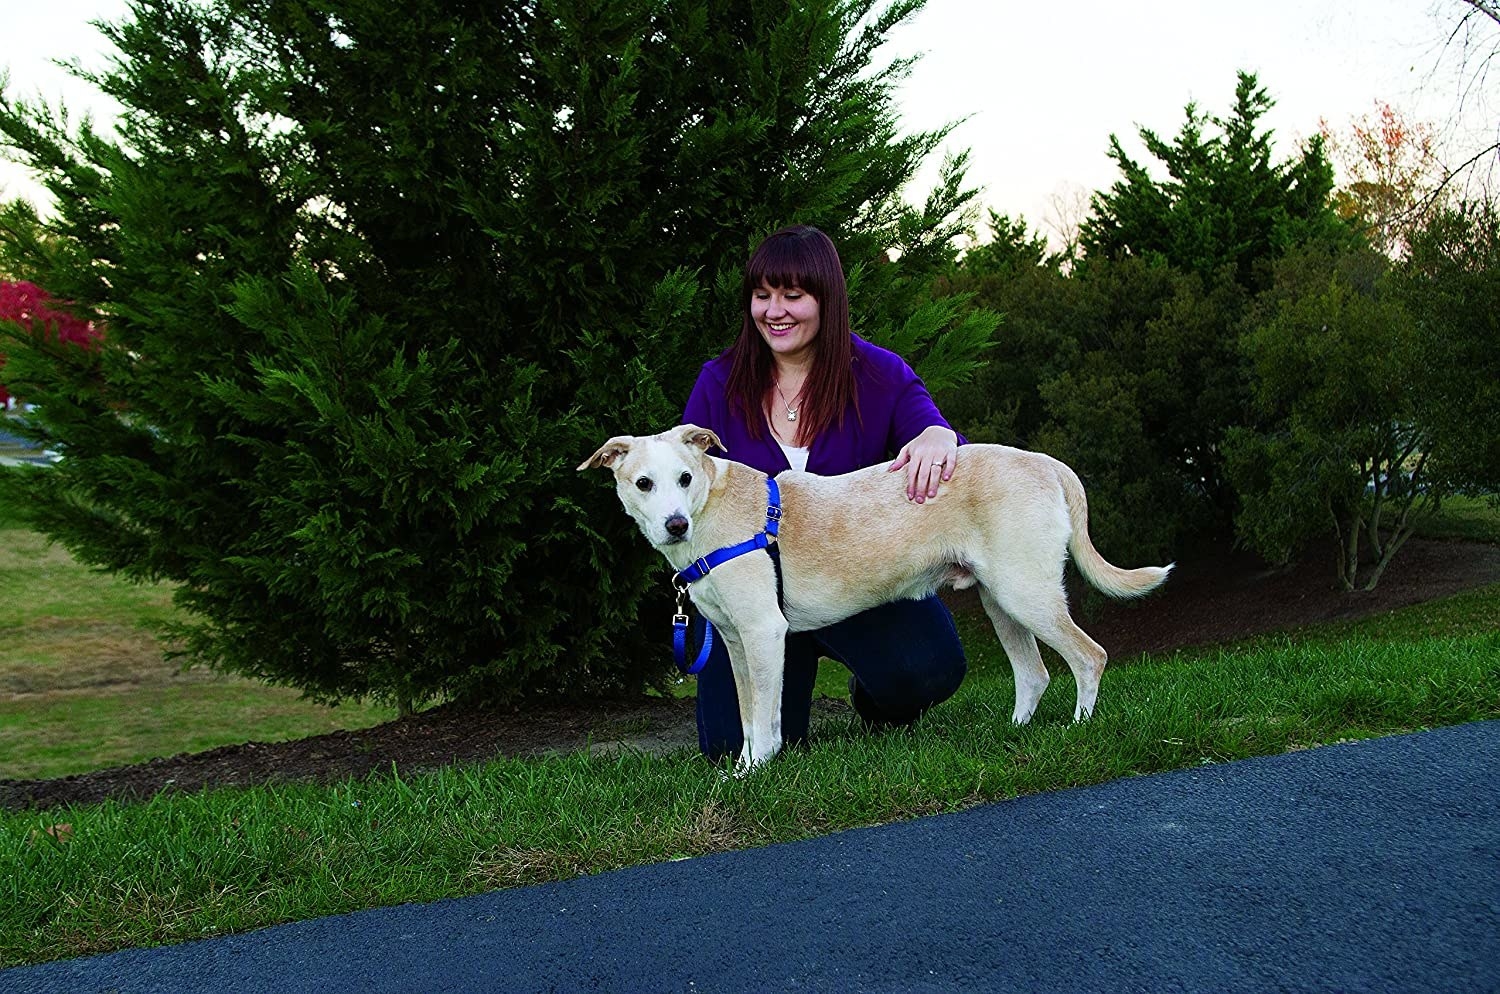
(907, 657)
(912, 689)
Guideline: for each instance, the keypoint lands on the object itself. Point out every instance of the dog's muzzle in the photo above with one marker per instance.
(677, 528)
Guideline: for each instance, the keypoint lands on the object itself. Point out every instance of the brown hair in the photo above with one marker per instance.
(800, 256)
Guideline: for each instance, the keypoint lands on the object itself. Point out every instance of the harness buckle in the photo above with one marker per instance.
(773, 512)
(702, 566)
(679, 621)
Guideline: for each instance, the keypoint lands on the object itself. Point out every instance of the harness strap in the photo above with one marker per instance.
(774, 551)
(701, 568)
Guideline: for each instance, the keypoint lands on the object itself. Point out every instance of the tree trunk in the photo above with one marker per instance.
(1349, 557)
(1391, 548)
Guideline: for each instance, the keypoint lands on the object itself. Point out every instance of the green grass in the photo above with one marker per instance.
(61, 735)
(1475, 519)
(184, 866)
(83, 681)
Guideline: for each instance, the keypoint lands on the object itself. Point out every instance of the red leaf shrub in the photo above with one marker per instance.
(26, 304)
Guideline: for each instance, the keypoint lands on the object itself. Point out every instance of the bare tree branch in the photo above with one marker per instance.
(1489, 8)
(1432, 197)
(1475, 47)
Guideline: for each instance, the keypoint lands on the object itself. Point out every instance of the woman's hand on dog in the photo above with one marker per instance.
(929, 459)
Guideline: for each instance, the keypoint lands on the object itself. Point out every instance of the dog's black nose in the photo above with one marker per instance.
(677, 526)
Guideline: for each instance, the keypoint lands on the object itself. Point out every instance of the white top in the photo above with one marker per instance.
(796, 455)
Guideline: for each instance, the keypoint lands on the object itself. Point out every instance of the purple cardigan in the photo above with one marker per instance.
(894, 408)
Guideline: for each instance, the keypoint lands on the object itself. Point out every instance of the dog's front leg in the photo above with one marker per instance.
(744, 691)
(758, 658)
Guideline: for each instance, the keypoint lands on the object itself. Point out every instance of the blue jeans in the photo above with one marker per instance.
(905, 657)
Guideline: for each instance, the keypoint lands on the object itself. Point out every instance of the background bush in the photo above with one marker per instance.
(1231, 360)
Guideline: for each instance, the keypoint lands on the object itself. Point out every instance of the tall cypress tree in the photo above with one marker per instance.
(1222, 203)
(372, 285)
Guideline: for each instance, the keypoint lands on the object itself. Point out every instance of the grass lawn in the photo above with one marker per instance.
(1475, 519)
(83, 684)
(93, 878)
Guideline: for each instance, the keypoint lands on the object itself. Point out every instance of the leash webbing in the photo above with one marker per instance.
(680, 643)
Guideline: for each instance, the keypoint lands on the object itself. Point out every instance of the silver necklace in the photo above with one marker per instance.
(791, 412)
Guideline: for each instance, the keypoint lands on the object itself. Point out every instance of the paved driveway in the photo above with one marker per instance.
(1355, 868)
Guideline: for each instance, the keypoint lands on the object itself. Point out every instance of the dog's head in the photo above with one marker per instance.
(662, 480)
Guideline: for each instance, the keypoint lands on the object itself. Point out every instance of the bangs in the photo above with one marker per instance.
(792, 258)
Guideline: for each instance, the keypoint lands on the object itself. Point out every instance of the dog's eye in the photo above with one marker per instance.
(684, 480)
(644, 484)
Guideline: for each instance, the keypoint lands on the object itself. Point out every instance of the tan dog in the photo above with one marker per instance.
(1006, 521)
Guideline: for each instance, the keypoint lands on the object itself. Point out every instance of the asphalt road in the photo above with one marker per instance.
(1372, 866)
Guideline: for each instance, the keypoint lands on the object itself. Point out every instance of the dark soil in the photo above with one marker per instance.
(1206, 602)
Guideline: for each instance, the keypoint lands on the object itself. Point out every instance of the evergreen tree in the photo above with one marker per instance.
(1128, 366)
(1218, 220)
(1012, 274)
(1102, 368)
(1012, 249)
(1223, 202)
(1450, 283)
(373, 284)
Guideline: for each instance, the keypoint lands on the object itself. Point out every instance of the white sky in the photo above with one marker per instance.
(1042, 86)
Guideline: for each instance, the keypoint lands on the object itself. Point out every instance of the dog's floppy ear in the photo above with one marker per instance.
(700, 437)
(607, 454)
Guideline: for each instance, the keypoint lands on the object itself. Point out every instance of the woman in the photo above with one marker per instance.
(799, 390)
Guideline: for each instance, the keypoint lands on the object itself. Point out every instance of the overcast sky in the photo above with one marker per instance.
(1041, 86)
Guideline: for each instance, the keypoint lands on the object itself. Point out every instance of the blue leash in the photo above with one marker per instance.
(701, 568)
(680, 642)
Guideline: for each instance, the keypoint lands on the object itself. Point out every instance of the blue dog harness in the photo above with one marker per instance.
(699, 568)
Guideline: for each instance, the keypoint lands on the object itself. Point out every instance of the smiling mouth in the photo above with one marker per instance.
(779, 329)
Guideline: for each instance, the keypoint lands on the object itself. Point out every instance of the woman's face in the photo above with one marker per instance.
(788, 318)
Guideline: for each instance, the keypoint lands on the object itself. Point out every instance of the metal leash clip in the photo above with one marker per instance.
(681, 624)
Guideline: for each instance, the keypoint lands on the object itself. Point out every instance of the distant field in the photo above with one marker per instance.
(83, 684)
(1475, 519)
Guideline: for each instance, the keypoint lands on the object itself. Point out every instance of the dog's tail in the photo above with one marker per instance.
(1103, 574)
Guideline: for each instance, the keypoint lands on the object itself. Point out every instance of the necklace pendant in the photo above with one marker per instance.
(791, 415)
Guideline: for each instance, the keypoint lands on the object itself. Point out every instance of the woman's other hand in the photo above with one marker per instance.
(930, 460)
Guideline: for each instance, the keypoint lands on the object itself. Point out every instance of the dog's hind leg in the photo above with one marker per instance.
(1025, 659)
(1040, 605)
(1084, 656)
